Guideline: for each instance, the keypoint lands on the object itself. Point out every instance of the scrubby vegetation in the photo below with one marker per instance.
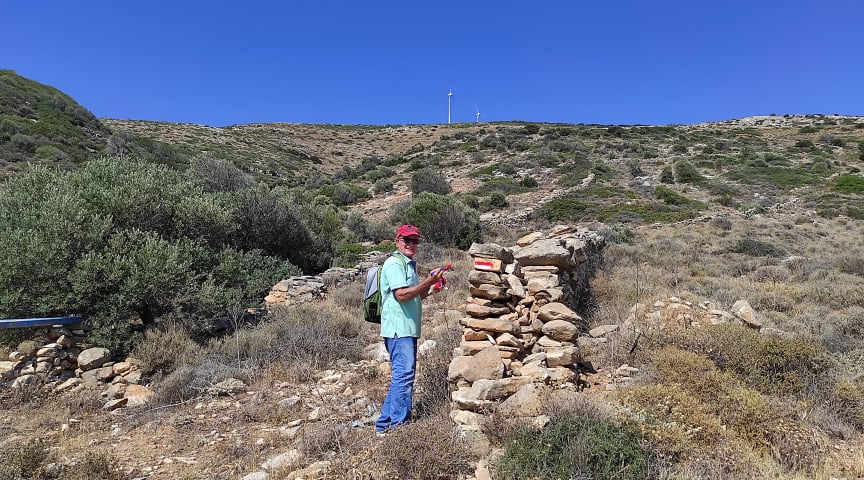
(575, 447)
(126, 243)
(166, 237)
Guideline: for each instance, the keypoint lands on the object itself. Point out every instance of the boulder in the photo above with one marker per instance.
(544, 252)
(93, 358)
(490, 250)
(560, 330)
(558, 311)
(485, 364)
(479, 277)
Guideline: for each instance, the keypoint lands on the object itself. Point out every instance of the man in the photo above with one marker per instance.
(401, 293)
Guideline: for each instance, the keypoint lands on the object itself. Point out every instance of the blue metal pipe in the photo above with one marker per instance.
(38, 322)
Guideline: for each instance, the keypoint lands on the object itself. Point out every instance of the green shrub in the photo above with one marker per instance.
(780, 176)
(635, 169)
(576, 209)
(429, 179)
(443, 220)
(687, 173)
(505, 185)
(472, 201)
(343, 193)
(530, 129)
(217, 175)
(725, 200)
(528, 182)
(382, 185)
(619, 233)
(575, 447)
(667, 175)
(497, 200)
(50, 153)
(671, 197)
(127, 243)
(507, 168)
(757, 248)
(848, 184)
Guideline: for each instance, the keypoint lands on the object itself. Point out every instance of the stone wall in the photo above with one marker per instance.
(522, 332)
(300, 289)
(59, 359)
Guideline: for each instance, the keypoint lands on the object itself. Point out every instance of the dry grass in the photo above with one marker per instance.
(719, 389)
(715, 403)
(429, 449)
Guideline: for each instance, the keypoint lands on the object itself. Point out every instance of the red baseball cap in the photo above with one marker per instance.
(408, 231)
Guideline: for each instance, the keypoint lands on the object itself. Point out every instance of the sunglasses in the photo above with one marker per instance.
(415, 241)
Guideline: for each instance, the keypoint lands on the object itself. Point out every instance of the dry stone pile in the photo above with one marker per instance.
(59, 359)
(675, 312)
(521, 334)
(301, 289)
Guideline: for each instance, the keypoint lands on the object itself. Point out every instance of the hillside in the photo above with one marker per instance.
(40, 124)
(768, 210)
(747, 163)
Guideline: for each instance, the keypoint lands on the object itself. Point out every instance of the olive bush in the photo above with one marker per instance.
(128, 243)
(443, 220)
(429, 179)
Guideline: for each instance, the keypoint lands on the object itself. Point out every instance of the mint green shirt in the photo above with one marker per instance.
(400, 319)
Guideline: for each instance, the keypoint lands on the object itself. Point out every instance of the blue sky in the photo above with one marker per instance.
(385, 62)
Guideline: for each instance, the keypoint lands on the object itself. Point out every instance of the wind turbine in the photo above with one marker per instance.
(449, 96)
(477, 115)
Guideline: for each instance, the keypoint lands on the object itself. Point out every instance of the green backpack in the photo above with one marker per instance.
(372, 301)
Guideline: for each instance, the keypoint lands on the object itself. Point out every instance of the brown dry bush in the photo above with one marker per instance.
(95, 464)
(319, 439)
(851, 264)
(430, 449)
(578, 405)
(846, 326)
(795, 448)
(81, 401)
(769, 364)
(239, 454)
(432, 390)
(192, 380)
(776, 298)
(846, 401)
(838, 292)
(680, 425)
(162, 350)
(771, 274)
(28, 459)
(264, 406)
(349, 296)
(700, 378)
(32, 396)
(717, 380)
(311, 335)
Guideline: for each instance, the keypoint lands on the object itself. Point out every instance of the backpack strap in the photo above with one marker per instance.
(404, 265)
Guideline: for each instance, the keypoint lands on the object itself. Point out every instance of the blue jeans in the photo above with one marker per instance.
(403, 361)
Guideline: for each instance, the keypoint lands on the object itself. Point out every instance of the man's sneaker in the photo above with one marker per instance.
(382, 433)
